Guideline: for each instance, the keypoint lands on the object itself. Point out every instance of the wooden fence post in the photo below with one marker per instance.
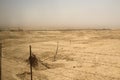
(30, 62)
(0, 60)
(56, 51)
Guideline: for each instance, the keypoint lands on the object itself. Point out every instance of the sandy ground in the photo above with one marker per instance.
(82, 55)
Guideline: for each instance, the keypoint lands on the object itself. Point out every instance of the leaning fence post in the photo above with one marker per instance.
(0, 60)
(30, 62)
(56, 51)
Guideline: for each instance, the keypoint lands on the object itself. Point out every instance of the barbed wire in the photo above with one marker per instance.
(96, 74)
(84, 61)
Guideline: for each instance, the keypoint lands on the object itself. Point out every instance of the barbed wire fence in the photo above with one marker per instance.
(70, 70)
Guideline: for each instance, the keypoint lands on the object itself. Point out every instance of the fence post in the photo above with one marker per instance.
(0, 60)
(56, 51)
(30, 62)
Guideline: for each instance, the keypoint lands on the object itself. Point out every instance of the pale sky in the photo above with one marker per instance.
(60, 13)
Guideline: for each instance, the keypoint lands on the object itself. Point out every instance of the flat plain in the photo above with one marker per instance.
(82, 54)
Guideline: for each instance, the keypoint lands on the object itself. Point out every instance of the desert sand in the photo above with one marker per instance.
(82, 54)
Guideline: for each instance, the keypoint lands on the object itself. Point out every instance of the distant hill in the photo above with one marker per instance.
(49, 28)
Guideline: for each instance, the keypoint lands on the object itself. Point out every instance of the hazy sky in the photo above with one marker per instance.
(60, 13)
